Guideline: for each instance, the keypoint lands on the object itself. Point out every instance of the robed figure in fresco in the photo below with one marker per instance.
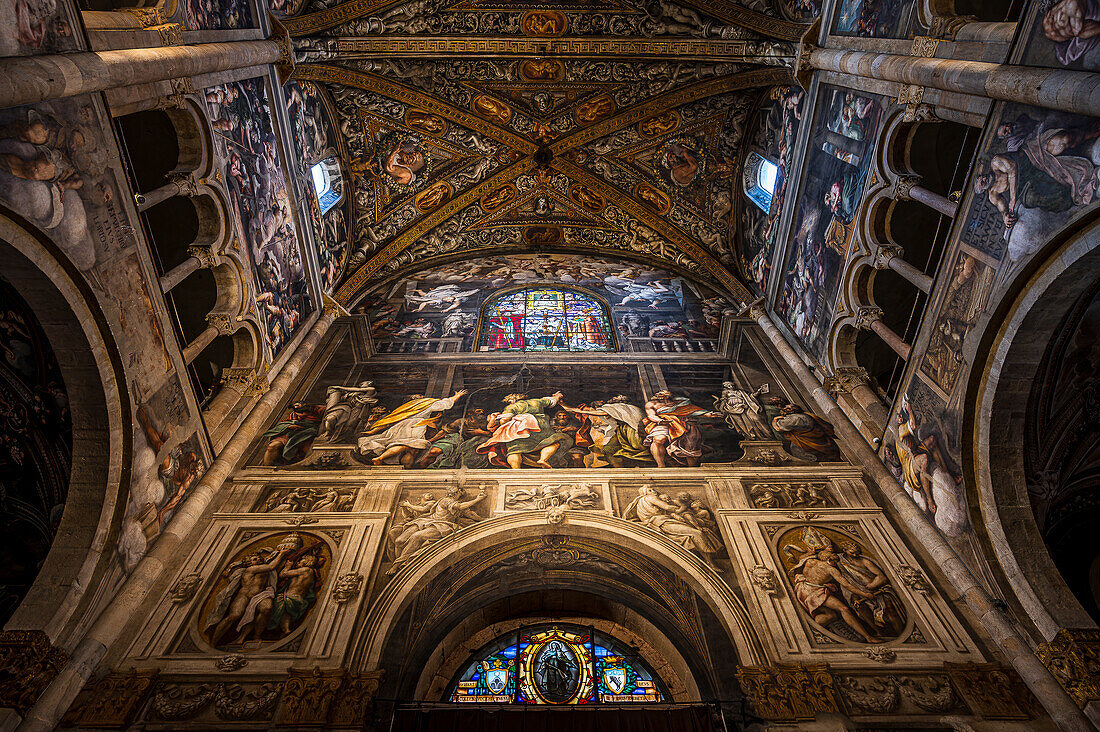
(522, 431)
(671, 433)
(402, 433)
(292, 438)
(505, 331)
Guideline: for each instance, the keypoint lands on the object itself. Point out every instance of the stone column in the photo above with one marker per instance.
(870, 318)
(179, 184)
(889, 257)
(906, 187)
(1047, 690)
(856, 381)
(113, 619)
(30, 79)
(201, 258)
(192, 350)
(1069, 91)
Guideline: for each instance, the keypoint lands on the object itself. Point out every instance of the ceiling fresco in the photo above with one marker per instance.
(600, 143)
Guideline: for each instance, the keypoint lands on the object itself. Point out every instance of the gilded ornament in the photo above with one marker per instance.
(544, 23)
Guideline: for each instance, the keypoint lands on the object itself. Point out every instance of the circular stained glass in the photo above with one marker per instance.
(557, 672)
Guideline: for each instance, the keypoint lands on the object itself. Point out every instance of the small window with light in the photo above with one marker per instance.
(327, 183)
(761, 175)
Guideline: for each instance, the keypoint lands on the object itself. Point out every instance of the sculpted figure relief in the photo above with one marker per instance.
(685, 520)
(579, 495)
(428, 521)
(743, 412)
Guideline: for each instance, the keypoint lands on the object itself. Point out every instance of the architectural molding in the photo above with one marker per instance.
(1073, 657)
(29, 662)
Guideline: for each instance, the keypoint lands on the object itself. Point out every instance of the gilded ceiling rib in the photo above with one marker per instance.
(398, 92)
(672, 233)
(349, 289)
(729, 12)
(674, 98)
(633, 49)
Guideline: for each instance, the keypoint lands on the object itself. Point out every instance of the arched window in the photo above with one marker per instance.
(545, 319)
(556, 664)
(327, 183)
(759, 181)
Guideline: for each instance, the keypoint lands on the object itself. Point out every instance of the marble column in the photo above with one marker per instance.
(201, 258)
(870, 318)
(112, 620)
(890, 257)
(30, 79)
(1058, 704)
(906, 187)
(1069, 91)
(179, 184)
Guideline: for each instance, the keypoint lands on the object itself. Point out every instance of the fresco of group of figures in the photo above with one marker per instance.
(773, 133)
(64, 178)
(266, 591)
(315, 140)
(261, 205)
(1035, 172)
(516, 416)
(39, 26)
(874, 18)
(840, 148)
(218, 14)
(584, 305)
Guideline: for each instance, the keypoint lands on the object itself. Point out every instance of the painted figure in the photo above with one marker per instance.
(743, 412)
(345, 408)
(522, 433)
(292, 438)
(402, 433)
(671, 433)
(810, 437)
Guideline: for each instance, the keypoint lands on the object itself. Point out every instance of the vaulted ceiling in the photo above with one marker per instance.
(484, 126)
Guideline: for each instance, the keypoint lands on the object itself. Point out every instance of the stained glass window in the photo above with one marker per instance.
(545, 319)
(557, 664)
(327, 183)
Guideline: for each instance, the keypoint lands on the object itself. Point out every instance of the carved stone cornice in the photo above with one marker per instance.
(147, 17)
(28, 663)
(112, 701)
(789, 693)
(993, 691)
(1073, 657)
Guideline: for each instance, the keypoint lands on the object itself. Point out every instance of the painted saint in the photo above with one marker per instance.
(401, 160)
(522, 435)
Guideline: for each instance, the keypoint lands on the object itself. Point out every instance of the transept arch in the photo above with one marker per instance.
(91, 366)
(379, 620)
(995, 452)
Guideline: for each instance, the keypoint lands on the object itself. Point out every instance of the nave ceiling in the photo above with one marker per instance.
(475, 128)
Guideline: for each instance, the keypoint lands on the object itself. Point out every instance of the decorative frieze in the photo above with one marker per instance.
(28, 663)
(789, 693)
(1073, 657)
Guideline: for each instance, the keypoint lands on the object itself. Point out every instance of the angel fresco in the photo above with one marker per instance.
(844, 591)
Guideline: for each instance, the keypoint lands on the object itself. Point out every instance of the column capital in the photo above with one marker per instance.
(248, 381)
(186, 183)
(225, 323)
(882, 256)
(754, 309)
(903, 186)
(208, 259)
(178, 98)
(846, 378)
(946, 27)
(867, 314)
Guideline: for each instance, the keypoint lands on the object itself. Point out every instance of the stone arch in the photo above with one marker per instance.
(381, 618)
(1009, 351)
(91, 367)
(655, 649)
